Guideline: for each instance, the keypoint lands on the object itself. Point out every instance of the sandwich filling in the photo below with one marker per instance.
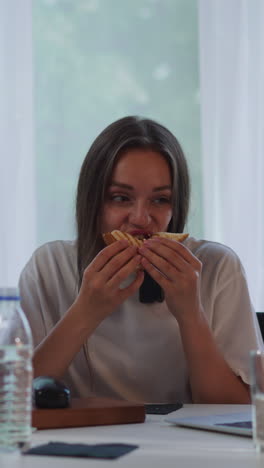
(138, 239)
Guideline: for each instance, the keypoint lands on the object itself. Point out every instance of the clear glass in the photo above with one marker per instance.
(257, 397)
(15, 373)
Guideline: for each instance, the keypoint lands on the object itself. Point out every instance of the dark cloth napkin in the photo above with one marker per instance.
(62, 449)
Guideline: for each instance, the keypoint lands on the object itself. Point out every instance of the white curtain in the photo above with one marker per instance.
(17, 194)
(232, 122)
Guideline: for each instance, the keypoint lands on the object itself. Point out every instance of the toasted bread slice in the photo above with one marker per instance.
(179, 237)
(110, 237)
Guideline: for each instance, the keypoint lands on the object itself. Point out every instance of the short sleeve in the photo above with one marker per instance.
(31, 303)
(235, 325)
(48, 286)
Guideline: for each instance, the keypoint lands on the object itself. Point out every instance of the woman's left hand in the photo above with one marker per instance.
(177, 271)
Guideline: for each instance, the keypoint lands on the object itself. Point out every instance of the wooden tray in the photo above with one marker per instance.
(89, 412)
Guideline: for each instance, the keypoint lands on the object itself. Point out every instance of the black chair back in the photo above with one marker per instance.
(260, 316)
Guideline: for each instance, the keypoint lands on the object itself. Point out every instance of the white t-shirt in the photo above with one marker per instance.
(136, 353)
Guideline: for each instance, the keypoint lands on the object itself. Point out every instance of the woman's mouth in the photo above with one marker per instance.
(140, 234)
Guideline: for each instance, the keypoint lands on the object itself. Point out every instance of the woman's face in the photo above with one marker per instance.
(139, 198)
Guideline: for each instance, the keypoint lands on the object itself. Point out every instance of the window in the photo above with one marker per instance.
(95, 61)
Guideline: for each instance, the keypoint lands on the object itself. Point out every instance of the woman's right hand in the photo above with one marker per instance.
(100, 291)
(98, 297)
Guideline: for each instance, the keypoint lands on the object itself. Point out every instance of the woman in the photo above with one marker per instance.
(84, 300)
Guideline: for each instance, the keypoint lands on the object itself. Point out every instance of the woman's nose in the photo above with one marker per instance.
(140, 215)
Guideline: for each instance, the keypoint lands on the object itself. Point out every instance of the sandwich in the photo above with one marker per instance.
(138, 240)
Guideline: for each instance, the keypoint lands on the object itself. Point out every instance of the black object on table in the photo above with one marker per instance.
(163, 408)
(49, 392)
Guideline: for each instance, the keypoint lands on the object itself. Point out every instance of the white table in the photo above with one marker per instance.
(161, 445)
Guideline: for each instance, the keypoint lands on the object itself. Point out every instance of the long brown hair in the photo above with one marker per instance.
(95, 176)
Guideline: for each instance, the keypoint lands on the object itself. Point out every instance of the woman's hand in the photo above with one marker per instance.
(100, 292)
(98, 297)
(177, 271)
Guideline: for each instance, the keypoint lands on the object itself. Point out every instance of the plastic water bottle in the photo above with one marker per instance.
(16, 351)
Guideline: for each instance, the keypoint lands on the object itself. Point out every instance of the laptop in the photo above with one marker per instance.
(230, 423)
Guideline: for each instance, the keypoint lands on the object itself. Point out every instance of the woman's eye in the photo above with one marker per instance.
(119, 198)
(162, 200)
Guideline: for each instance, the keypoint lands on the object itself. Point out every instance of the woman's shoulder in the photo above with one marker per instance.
(54, 254)
(213, 253)
(221, 266)
(56, 247)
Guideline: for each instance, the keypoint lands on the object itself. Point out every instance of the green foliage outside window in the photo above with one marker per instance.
(96, 61)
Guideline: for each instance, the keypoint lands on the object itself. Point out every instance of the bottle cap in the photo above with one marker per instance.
(9, 294)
